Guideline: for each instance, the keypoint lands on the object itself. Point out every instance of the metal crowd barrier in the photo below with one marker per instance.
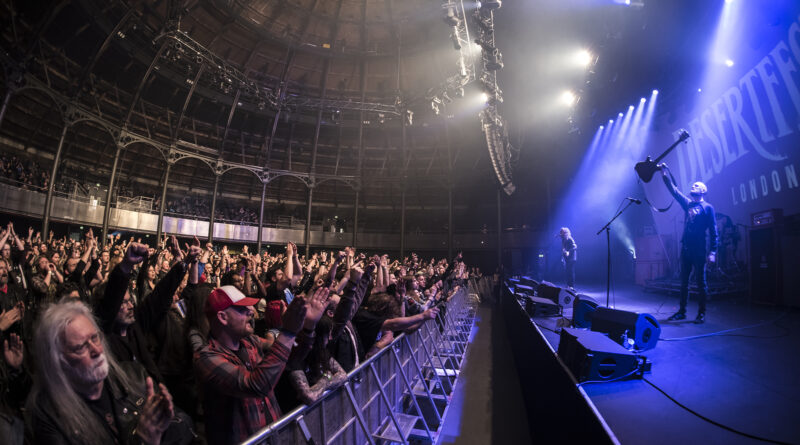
(399, 395)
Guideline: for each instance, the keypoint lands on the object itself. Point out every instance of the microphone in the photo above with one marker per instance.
(634, 200)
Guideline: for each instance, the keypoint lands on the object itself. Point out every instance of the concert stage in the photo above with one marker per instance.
(745, 379)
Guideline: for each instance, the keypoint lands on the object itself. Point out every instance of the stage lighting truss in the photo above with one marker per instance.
(190, 57)
(453, 86)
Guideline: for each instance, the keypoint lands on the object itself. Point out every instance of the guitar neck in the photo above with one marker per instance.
(667, 151)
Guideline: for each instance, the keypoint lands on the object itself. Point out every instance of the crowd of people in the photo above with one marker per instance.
(200, 207)
(119, 342)
(28, 174)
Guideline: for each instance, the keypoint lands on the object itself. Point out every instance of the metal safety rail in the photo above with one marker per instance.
(399, 395)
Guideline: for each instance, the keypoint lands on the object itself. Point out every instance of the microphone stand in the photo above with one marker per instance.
(607, 229)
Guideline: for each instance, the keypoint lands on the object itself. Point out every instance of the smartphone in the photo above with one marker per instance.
(289, 295)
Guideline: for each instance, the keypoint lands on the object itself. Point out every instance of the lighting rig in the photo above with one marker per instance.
(453, 86)
(189, 56)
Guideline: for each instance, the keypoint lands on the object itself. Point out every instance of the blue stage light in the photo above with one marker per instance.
(643, 100)
(728, 63)
(655, 91)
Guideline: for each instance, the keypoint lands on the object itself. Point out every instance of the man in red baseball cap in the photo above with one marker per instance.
(238, 370)
(226, 297)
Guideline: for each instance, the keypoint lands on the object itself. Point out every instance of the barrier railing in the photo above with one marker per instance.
(399, 395)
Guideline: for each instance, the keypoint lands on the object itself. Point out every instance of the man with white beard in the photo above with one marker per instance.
(81, 395)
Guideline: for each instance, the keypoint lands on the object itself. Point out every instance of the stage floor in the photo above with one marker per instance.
(747, 379)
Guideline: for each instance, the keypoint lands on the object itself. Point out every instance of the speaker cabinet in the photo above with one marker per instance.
(582, 309)
(641, 331)
(528, 281)
(566, 297)
(548, 290)
(540, 307)
(522, 289)
(766, 268)
(594, 357)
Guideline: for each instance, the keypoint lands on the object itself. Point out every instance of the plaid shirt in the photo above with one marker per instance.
(238, 397)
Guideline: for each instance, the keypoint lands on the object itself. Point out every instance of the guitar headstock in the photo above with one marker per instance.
(683, 135)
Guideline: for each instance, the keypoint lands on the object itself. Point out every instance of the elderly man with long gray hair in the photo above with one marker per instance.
(82, 395)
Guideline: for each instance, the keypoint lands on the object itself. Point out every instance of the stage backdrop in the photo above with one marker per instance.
(743, 115)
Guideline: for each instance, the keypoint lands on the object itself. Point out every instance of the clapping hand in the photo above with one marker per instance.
(13, 351)
(9, 317)
(157, 413)
(316, 305)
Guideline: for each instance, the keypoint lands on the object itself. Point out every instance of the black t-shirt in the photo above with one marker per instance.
(104, 408)
(368, 326)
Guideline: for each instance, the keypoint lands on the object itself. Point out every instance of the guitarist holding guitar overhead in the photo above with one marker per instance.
(699, 218)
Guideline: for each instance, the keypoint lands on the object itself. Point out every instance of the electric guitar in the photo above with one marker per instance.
(647, 168)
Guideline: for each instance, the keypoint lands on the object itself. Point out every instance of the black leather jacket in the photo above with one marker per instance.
(45, 428)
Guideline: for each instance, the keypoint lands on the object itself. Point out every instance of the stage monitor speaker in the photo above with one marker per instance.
(594, 357)
(559, 296)
(566, 297)
(540, 307)
(522, 289)
(582, 309)
(528, 281)
(640, 331)
(548, 290)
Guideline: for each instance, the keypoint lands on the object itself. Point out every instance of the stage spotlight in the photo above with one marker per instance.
(655, 92)
(484, 97)
(490, 4)
(643, 100)
(729, 63)
(568, 98)
(630, 107)
(583, 58)
(699, 90)
(620, 115)
(601, 127)
(610, 121)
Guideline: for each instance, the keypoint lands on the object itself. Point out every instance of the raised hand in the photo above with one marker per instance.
(175, 248)
(316, 307)
(340, 256)
(289, 249)
(135, 254)
(13, 351)
(294, 316)
(156, 415)
(192, 253)
(356, 273)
